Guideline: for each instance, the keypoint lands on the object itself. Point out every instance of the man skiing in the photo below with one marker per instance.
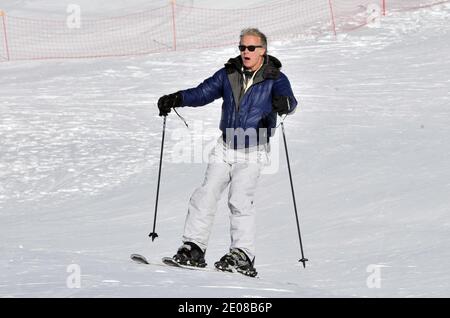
(253, 90)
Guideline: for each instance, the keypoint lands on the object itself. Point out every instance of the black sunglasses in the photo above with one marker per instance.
(251, 48)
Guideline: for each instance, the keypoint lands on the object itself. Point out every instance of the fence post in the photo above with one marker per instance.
(384, 7)
(5, 34)
(333, 22)
(174, 26)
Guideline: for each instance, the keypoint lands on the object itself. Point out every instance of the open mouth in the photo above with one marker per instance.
(247, 58)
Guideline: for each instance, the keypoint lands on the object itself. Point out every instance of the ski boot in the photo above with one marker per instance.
(190, 254)
(237, 261)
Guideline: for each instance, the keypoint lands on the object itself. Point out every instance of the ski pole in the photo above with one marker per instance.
(303, 259)
(153, 234)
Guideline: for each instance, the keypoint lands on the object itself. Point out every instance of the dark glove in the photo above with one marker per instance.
(167, 102)
(280, 104)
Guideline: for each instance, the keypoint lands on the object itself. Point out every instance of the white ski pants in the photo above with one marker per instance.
(240, 170)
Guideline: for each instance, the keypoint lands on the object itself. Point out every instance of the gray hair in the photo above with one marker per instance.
(255, 32)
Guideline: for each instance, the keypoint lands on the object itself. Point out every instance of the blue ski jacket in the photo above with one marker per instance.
(242, 112)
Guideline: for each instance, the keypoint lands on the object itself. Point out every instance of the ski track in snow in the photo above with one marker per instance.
(369, 149)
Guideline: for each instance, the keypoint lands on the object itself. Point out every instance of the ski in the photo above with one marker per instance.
(166, 261)
(170, 262)
(138, 258)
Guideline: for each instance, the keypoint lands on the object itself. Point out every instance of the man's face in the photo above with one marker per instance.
(252, 60)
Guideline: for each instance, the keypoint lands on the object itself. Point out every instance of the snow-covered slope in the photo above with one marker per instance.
(369, 149)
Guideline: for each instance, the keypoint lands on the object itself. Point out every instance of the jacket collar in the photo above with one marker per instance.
(270, 69)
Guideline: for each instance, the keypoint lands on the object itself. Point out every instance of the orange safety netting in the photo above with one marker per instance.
(178, 27)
